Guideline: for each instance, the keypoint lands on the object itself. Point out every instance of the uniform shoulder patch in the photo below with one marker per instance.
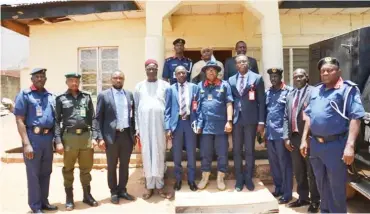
(168, 59)
(27, 90)
(350, 83)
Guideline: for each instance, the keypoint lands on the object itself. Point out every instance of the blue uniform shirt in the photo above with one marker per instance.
(325, 120)
(212, 108)
(37, 108)
(170, 65)
(275, 104)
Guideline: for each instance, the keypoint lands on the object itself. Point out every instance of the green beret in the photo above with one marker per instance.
(73, 75)
(275, 71)
(327, 60)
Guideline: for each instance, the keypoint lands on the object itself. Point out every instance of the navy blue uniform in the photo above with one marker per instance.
(279, 157)
(37, 109)
(212, 120)
(329, 124)
(170, 66)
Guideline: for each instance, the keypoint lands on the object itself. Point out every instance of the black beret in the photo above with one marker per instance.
(73, 74)
(275, 71)
(38, 70)
(179, 40)
(327, 60)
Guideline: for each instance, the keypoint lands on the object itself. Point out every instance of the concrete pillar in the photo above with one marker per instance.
(272, 42)
(154, 44)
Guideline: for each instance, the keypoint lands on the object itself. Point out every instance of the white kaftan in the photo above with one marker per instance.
(149, 117)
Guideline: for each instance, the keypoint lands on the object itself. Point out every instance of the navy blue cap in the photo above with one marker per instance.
(179, 40)
(38, 70)
(211, 64)
(275, 71)
(327, 60)
(73, 75)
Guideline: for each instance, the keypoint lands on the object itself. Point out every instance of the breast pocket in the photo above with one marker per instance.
(66, 104)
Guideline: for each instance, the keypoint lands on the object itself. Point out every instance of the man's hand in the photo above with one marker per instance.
(228, 127)
(199, 131)
(348, 155)
(101, 145)
(59, 148)
(28, 151)
(261, 129)
(169, 135)
(93, 143)
(303, 148)
(288, 145)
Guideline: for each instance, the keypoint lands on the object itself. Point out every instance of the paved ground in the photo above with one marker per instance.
(13, 198)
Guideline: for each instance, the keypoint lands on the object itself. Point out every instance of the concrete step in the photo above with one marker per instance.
(211, 200)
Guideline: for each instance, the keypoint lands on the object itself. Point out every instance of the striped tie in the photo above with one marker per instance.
(241, 89)
(182, 101)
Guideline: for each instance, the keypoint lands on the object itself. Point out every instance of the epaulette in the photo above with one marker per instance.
(318, 85)
(169, 58)
(348, 82)
(27, 91)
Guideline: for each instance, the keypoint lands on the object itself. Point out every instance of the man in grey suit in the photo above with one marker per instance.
(115, 122)
(293, 129)
(230, 64)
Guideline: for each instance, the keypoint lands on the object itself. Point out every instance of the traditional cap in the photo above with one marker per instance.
(206, 48)
(275, 71)
(38, 70)
(179, 40)
(211, 64)
(73, 75)
(327, 60)
(151, 61)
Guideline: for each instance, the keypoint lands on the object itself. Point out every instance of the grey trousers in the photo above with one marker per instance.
(154, 182)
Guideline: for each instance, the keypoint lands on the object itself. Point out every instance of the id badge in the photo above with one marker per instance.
(83, 112)
(38, 111)
(210, 97)
(252, 95)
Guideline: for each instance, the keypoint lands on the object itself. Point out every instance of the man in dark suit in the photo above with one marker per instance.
(293, 129)
(115, 121)
(230, 65)
(248, 91)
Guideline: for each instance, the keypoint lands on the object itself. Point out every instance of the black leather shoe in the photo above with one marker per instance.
(283, 200)
(193, 187)
(298, 203)
(127, 196)
(249, 184)
(114, 199)
(88, 199)
(49, 207)
(314, 207)
(37, 211)
(277, 193)
(177, 185)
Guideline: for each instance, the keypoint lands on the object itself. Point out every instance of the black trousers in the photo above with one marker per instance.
(306, 182)
(120, 150)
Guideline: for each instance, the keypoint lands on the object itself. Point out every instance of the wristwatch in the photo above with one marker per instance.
(229, 121)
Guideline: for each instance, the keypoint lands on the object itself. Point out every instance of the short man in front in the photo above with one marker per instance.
(116, 130)
(333, 119)
(214, 123)
(248, 90)
(180, 121)
(279, 157)
(296, 101)
(34, 113)
(150, 128)
(76, 137)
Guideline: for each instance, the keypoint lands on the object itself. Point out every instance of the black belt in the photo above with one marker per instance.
(329, 138)
(186, 117)
(40, 131)
(77, 130)
(122, 130)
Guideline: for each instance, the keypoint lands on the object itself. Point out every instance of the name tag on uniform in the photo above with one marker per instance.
(83, 112)
(38, 111)
(252, 95)
(209, 97)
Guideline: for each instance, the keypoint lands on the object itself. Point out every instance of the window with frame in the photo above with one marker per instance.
(294, 58)
(96, 66)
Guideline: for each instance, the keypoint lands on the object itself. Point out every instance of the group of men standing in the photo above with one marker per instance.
(185, 107)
